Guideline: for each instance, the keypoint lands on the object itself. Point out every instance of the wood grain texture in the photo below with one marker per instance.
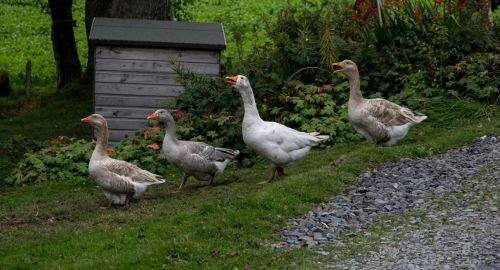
(110, 112)
(158, 54)
(131, 101)
(154, 66)
(132, 82)
(137, 89)
(126, 124)
(115, 136)
(129, 77)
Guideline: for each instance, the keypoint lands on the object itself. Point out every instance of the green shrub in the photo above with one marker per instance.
(246, 23)
(65, 158)
(211, 111)
(322, 109)
(62, 159)
(144, 150)
(417, 44)
(475, 77)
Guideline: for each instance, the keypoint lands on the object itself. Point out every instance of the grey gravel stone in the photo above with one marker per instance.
(464, 234)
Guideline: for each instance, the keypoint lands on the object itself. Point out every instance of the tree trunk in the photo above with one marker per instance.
(131, 9)
(63, 42)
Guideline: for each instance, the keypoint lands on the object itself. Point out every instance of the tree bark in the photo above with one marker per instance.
(63, 42)
(128, 9)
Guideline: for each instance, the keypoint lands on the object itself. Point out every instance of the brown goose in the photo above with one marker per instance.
(277, 143)
(196, 159)
(119, 179)
(378, 120)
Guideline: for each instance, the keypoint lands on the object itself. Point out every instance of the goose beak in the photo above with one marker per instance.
(339, 66)
(86, 119)
(232, 79)
(153, 116)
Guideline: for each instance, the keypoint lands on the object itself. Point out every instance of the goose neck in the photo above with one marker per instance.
(249, 102)
(355, 87)
(170, 130)
(102, 136)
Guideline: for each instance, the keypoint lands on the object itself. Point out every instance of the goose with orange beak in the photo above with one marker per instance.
(196, 159)
(121, 181)
(277, 143)
(378, 120)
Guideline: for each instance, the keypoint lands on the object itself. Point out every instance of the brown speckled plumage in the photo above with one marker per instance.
(119, 179)
(378, 120)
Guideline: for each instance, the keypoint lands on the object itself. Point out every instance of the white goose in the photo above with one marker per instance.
(119, 179)
(196, 159)
(276, 142)
(378, 120)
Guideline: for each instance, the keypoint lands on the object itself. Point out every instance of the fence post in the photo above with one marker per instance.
(27, 79)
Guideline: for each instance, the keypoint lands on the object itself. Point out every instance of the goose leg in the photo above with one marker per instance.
(127, 199)
(183, 182)
(211, 180)
(280, 171)
(270, 179)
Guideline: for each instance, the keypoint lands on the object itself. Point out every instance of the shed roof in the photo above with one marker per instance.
(151, 33)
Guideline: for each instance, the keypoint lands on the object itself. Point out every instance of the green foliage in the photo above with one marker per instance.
(25, 35)
(64, 158)
(475, 77)
(144, 150)
(311, 108)
(415, 47)
(210, 110)
(64, 225)
(246, 23)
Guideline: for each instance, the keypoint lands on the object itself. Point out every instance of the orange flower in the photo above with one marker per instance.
(155, 128)
(418, 15)
(146, 134)
(447, 10)
(109, 150)
(179, 114)
(438, 1)
(458, 67)
(435, 15)
(388, 4)
(155, 146)
(460, 4)
(357, 17)
(319, 90)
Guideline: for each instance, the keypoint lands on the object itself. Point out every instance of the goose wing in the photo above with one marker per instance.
(130, 171)
(209, 152)
(200, 157)
(288, 139)
(389, 113)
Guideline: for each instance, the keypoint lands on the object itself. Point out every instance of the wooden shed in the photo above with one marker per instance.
(133, 75)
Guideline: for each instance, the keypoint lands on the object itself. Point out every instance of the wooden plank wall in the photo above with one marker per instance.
(130, 83)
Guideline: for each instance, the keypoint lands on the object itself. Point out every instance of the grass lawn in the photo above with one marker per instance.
(41, 119)
(25, 34)
(64, 224)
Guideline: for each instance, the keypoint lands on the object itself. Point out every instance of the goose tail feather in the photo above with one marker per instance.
(319, 137)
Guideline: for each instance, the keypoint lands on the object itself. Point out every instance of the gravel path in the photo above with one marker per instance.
(458, 227)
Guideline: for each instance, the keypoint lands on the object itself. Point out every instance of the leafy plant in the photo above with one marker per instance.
(476, 77)
(209, 110)
(322, 109)
(144, 150)
(64, 158)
